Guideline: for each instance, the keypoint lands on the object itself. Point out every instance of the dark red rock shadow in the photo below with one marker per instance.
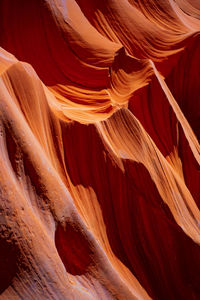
(73, 249)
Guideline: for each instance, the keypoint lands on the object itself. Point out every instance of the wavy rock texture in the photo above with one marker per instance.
(99, 151)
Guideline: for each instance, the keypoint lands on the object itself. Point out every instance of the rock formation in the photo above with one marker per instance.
(99, 149)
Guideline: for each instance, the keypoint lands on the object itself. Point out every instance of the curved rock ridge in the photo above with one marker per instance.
(99, 149)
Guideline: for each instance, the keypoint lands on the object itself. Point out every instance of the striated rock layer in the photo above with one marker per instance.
(99, 149)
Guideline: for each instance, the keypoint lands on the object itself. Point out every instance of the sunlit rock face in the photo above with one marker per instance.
(99, 151)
